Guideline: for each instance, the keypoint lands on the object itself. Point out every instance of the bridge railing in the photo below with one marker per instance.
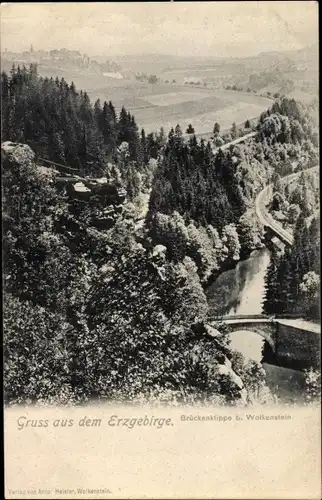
(239, 316)
(57, 166)
(223, 318)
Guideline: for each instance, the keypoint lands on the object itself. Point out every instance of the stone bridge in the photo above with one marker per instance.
(293, 340)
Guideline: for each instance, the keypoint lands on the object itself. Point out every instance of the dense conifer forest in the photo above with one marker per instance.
(62, 125)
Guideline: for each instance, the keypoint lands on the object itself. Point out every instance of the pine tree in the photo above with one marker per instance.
(107, 127)
(271, 286)
(178, 137)
(314, 235)
(190, 129)
(216, 129)
(233, 131)
(97, 113)
(5, 96)
(153, 146)
(144, 148)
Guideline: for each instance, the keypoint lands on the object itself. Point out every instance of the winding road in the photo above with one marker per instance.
(236, 141)
(261, 201)
(266, 194)
(265, 218)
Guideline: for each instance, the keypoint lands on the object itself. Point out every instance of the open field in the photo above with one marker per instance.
(134, 95)
(174, 98)
(201, 114)
(166, 105)
(216, 71)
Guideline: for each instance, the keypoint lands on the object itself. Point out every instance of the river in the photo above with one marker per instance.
(241, 291)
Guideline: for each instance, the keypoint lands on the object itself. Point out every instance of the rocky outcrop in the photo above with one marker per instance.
(98, 191)
(20, 154)
(159, 252)
(203, 330)
(20, 157)
(221, 365)
(113, 194)
(85, 188)
(226, 370)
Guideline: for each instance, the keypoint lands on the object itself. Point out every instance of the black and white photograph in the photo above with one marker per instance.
(160, 201)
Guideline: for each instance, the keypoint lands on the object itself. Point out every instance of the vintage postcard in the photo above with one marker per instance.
(161, 264)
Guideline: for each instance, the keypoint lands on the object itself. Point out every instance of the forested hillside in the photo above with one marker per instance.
(62, 125)
(293, 279)
(96, 312)
(101, 305)
(217, 191)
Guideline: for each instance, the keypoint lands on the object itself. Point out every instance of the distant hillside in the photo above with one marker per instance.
(63, 59)
(292, 73)
(158, 63)
(288, 73)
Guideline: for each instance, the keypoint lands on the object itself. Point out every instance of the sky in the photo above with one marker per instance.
(219, 29)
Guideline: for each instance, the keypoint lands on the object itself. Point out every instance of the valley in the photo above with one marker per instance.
(187, 90)
(161, 249)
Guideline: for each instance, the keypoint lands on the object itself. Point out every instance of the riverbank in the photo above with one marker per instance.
(228, 265)
(241, 290)
(228, 290)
